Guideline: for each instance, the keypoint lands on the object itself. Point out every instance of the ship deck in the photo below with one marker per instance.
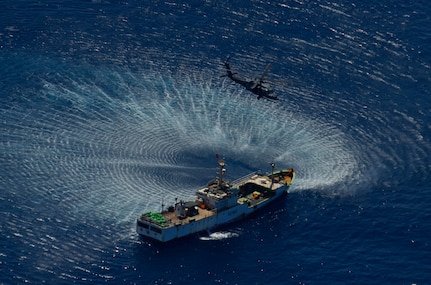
(173, 220)
(263, 181)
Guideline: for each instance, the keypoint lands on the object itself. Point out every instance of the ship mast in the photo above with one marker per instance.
(272, 174)
(222, 171)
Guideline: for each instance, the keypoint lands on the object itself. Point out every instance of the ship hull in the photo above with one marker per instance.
(212, 221)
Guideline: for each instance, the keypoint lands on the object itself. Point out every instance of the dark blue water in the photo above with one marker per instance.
(109, 108)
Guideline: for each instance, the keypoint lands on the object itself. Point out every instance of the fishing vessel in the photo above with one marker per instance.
(218, 203)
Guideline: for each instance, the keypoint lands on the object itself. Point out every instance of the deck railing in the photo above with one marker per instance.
(244, 178)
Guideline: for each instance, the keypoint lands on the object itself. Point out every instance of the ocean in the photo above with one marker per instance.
(112, 108)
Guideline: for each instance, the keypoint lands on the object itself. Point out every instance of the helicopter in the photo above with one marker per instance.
(256, 85)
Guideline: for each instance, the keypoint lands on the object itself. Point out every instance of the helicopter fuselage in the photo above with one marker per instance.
(254, 85)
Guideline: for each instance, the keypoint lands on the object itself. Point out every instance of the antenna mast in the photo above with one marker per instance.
(222, 171)
(272, 174)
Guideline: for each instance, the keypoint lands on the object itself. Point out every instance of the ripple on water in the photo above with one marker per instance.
(86, 140)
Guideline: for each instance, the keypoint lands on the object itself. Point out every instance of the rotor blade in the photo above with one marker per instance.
(265, 72)
(258, 81)
(227, 59)
(281, 81)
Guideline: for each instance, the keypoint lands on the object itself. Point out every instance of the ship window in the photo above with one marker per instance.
(157, 230)
(145, 226)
